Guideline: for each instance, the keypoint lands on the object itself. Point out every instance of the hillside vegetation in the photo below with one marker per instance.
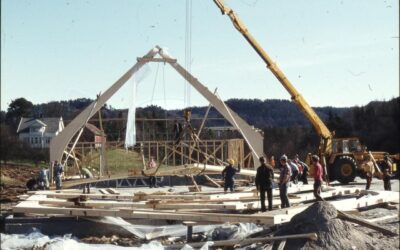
(286, 130)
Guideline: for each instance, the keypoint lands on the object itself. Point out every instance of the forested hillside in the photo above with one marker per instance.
(286, 130)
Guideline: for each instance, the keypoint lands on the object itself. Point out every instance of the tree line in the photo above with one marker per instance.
(286, 129)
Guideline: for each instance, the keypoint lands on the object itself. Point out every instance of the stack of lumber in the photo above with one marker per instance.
(207, 206)
(183, 170)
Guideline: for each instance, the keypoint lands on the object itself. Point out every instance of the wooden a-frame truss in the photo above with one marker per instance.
(59, 143)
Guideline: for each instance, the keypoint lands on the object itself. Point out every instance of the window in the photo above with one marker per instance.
(35, 129)
(335, 147)
(345, 146)
(36, 140)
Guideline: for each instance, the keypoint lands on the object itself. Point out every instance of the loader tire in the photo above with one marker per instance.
(345, 169)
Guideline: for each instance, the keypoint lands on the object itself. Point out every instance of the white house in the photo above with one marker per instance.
(37, 132)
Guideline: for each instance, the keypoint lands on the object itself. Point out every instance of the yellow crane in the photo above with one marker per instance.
(341, 157)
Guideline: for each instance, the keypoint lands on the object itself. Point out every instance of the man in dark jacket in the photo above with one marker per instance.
(228, 173)
(177, 131)
(58, 170)
(387, 171)
(264, 180)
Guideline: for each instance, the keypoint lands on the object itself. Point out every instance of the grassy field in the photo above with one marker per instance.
(119, 161)
(26, 163)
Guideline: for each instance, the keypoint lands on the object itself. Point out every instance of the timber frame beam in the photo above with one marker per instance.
(61, 141)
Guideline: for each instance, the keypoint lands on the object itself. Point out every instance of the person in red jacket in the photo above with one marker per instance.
(318, 174)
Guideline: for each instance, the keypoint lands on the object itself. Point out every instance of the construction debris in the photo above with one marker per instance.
(245, 242)
(333, 233)
(191, 206)
(197, 216)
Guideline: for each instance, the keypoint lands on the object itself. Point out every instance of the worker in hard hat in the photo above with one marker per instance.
(88, 175)
(152, 164)
(43, 180)
(284, 179)
(228, 175)
(368, 168)
(58, 171)
(177, 131)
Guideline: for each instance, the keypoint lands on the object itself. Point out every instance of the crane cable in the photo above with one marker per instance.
(188, 50)
(154, 85)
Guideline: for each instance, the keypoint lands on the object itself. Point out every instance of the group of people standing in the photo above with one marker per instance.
(386, 168)
(264, 179)
(58, 171)
(265, 176)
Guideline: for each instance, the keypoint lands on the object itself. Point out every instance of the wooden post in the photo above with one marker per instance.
(212, 181)
(195, 183)
(214, 150)
(222, 151)
(165, 152)
(181, 155)
(157, 151)
(148, 149)
(282, 245)
(247, 241)
(173, 157)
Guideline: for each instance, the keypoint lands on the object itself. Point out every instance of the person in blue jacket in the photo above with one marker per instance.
(228, 175)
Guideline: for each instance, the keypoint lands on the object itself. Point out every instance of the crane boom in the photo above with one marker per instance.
(297, 98)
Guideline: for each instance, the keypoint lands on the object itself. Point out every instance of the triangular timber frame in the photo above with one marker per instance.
(253, 138)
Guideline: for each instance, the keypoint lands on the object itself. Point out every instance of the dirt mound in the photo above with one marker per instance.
(13, 181)
(333, 233)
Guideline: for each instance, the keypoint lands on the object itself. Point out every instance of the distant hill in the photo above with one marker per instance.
(271, 113)
(286, 129)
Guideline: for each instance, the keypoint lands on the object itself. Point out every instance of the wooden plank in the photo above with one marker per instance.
(281, 245)
(273, 217)
(212, 181)
(365, 223)
(112, 191)
(103, 191)
(268, 246)
(198, 197)
(226, 196)
(97, 196)
(33, 207)
(387, 217)
(248, 241)
(195, 183)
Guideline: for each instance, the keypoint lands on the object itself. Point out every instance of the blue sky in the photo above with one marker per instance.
(336, 53)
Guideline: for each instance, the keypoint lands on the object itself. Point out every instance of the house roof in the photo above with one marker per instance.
(92, 128)
(51, 124)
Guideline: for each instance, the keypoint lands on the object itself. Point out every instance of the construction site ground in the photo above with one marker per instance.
(385, 214)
